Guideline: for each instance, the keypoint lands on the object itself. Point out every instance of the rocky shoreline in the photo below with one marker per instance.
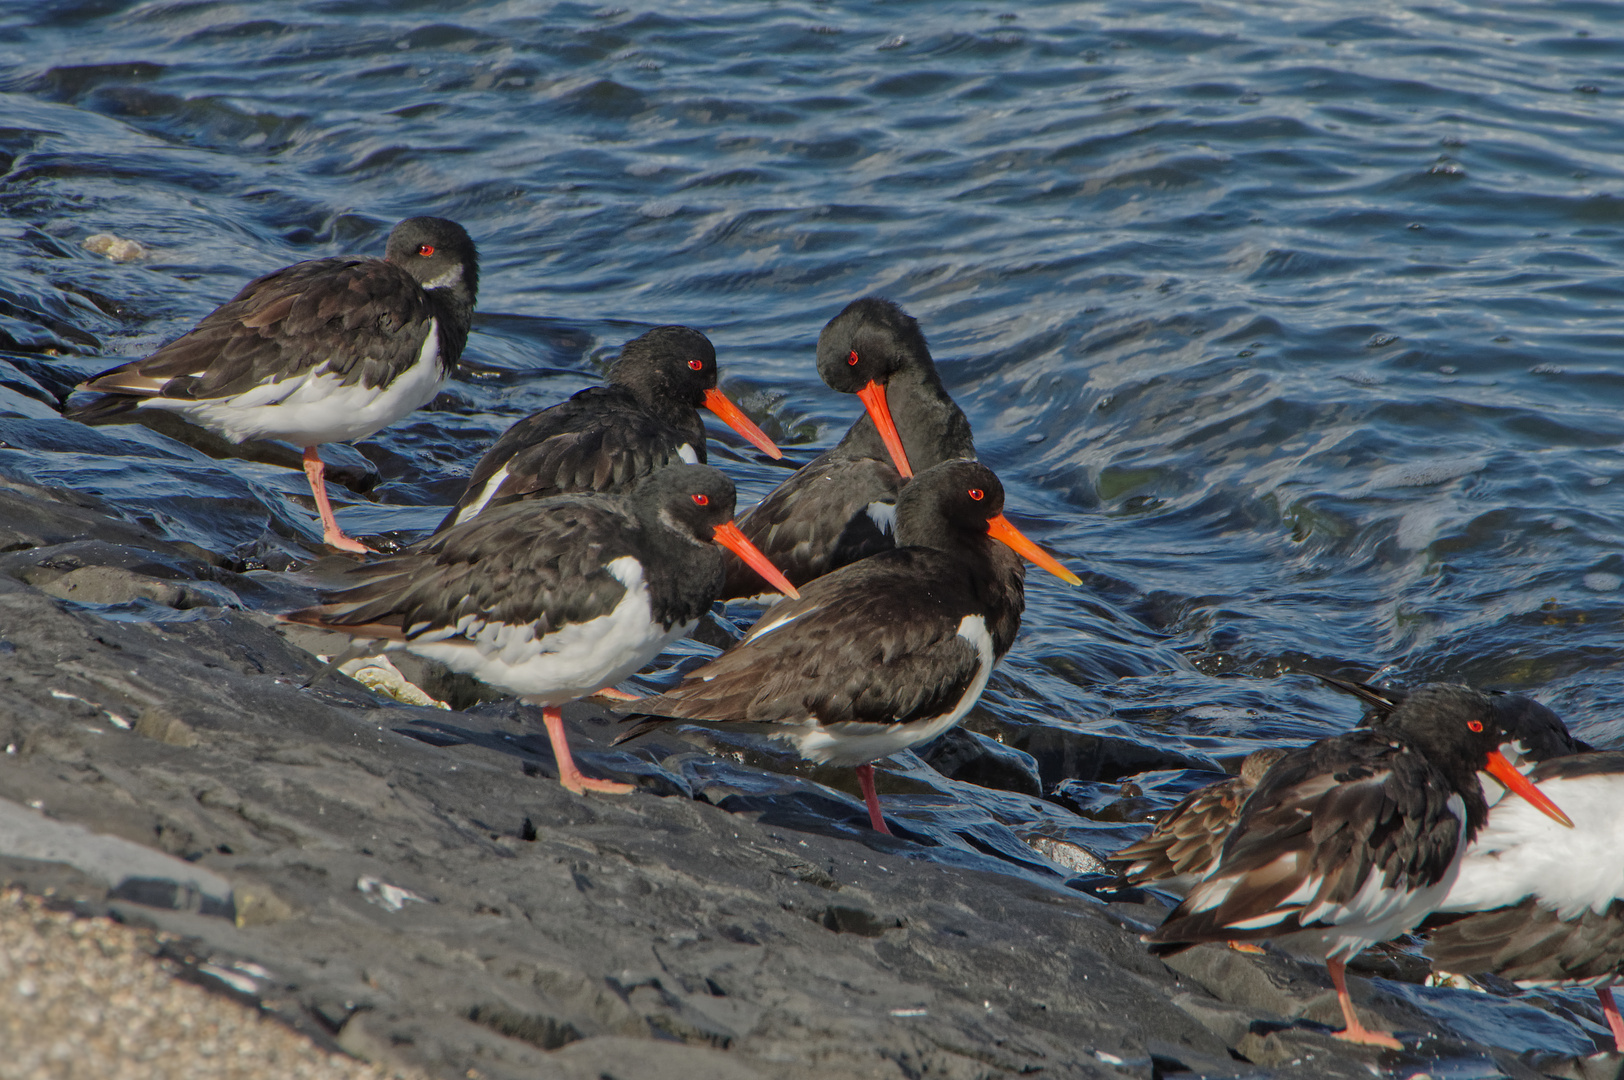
(408, 884)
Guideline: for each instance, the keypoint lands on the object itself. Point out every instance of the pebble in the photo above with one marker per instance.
(116, 248)
(89, 997)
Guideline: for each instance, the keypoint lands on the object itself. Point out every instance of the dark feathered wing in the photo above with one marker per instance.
(1188, 839)
(1326, 819)
(1530, 943)
(877, 643)
(817, 521)
(1571, 767)
(348, 313)
(527, 564)
(598, 440)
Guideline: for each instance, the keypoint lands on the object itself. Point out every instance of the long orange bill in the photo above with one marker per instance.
(1502, 770)
(1000, 529)
(729, 536)
(873, 399)
(733, 416)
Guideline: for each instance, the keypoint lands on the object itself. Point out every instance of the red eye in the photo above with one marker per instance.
(697, 365)
(853, 361)
(1475, 725)
(425, 250)
(704, 500)
(977, 494)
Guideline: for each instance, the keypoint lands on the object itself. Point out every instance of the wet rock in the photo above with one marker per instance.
(1062, 754)
(109, 585)
(1608, 1066)
(37, 517)
(975, 759)
(533, 932)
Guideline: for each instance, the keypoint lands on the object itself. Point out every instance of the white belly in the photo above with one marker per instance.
(857, 744)
(569, 663)
(316, 407)
(1521, 852)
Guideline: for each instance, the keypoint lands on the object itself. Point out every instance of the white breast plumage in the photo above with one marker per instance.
(854, 743)
(317, 406)
(572, 661)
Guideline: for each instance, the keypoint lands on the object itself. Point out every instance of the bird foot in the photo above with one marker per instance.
(609, 693)
(580, 784)
(1365, 1037)
(1246, 947)
(1354, 1031)
(344, 543)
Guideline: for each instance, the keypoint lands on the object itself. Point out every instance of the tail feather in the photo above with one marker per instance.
(645, 724)
(105, 409)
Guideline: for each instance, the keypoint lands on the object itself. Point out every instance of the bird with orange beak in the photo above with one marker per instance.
(607, 438)
(1357, 838)
(884, 654)
(553, 599)
(842, 506)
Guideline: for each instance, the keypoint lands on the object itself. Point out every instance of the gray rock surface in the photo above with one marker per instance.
(413, 887)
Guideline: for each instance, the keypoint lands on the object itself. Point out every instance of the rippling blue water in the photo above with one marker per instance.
(1295, 329)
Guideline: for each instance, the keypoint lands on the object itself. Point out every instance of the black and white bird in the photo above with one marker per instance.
(842, 506)
(1184, 846)
(553, 599)
(1533, 732)
(608, 437)
(324, 351)
(886, 653)
(1355, 839)
(1542, 905)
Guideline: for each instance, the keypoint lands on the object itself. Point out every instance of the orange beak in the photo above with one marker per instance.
(718, 403)
(1501, 769)
(873, 398)
(729, 536)
(1001, 530)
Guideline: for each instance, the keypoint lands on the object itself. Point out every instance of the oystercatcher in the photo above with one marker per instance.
(1534, 733)
(1541, 905)
(842, 506)
(886, 653)
(1183, 848)
(329, 350)
(1356, 838)
(606, 438)
(554, 598)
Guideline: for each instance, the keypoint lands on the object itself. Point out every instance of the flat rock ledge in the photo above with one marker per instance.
(411, 887)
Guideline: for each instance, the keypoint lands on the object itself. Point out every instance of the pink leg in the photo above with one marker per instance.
(1609, 1009)
(1355, 1032)
(865, 780)
(331, 534)
(609, 693)
(568, 775)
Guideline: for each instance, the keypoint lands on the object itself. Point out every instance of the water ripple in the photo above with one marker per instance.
(1295, 330)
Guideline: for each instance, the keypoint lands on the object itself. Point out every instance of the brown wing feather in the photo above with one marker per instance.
(541, 564)
(285, 323)
(1329, 815)
(876, 644)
